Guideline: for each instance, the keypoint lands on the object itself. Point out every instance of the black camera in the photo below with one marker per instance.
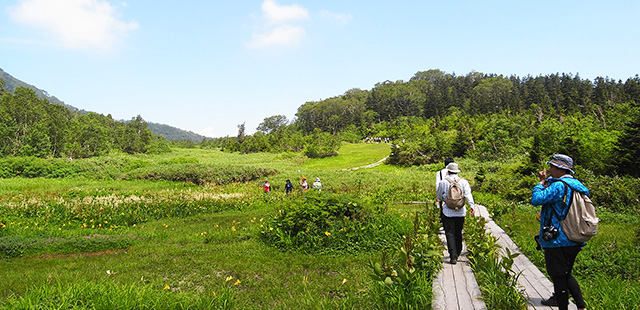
(549, 233)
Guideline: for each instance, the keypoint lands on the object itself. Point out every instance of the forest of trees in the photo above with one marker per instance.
(483, 116)
(30, 126)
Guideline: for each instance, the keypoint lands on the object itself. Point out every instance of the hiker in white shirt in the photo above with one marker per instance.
(453, 220)
(440, 175)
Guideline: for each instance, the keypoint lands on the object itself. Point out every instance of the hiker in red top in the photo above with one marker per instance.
(267, 188)
(304, 184)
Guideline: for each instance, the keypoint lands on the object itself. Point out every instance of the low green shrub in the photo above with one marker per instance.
(32, 167)
(199, 173)
(16, 246)
(323, 222)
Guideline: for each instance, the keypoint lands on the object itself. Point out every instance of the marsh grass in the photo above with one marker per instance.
(198, 239)
(107, 295)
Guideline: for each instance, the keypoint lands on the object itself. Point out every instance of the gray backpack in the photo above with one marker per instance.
(581, 222)
(455, 197)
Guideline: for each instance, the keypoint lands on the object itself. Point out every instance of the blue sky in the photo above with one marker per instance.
(207, 66)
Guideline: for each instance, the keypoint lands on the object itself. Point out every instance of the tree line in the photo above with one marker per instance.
(484, 116)
(30, 126)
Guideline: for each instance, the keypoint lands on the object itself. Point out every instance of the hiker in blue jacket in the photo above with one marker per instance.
(559, 252)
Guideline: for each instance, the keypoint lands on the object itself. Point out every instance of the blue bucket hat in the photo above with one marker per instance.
(562, 161)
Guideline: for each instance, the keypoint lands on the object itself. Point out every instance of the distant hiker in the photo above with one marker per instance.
(267, 188)
(304, 185)
(440, 175)
(317, 185)
(453, 218)
(288, 187)
(559, 252)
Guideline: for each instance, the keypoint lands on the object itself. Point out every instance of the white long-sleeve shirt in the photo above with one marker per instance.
(443, 190)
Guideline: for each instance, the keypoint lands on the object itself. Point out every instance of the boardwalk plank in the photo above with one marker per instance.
(455, 287)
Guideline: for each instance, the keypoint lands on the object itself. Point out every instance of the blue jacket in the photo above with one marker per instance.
(551, 198)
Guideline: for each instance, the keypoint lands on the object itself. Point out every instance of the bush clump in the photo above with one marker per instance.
(325, 222)
(199, 173)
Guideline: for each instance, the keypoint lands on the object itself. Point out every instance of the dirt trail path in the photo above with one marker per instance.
(378, 163)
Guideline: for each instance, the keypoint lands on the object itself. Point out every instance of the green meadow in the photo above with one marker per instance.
(193, 229)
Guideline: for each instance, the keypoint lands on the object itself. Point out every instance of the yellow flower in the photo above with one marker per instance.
(166, 287)
(229, 278)
(217, 226)
(341, 229)
(344, 281)
(237, 282)
(327, 233)
(270, 228)
(204, 233)
(233, 228)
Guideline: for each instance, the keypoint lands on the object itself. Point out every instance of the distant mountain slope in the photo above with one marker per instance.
(12, 83)
(170, 133)
(174, 134)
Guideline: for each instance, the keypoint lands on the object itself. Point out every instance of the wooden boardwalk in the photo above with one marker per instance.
(456, 288)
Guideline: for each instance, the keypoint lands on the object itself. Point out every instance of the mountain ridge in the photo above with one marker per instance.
(167, 131)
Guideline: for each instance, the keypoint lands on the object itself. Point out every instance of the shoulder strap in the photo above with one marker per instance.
(566, 188)
(564, 201)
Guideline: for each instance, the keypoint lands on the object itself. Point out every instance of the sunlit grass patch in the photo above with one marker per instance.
(351, 155)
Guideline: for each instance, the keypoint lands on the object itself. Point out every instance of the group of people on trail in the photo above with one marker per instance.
(288, 186)
(556, 185)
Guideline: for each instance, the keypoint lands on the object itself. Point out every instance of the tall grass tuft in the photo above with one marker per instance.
(498, 282)
(403, 279)
(102, 295)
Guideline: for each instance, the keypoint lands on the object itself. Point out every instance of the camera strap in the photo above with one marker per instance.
(564, 205)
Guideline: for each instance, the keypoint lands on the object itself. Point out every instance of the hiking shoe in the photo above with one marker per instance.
(551, 302)
(454, 261)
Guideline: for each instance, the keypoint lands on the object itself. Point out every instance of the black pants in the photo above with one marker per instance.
(559, 263)
(453, 232)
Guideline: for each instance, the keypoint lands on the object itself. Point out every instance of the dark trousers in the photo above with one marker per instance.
(453, 232)
(559, 263)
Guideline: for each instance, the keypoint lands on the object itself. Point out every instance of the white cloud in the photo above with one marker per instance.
(338, 17)
(77, 24)
(278, 27)
(284, 35)
(281, 13)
